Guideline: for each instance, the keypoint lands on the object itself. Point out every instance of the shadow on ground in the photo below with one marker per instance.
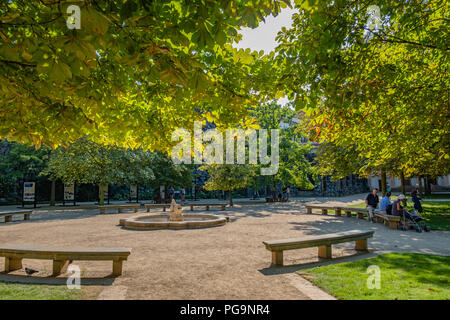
(277, 270)
(105, 281)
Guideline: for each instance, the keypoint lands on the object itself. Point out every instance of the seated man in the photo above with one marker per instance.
(385, 204)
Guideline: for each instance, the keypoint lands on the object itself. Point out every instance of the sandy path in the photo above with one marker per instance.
(228, 262)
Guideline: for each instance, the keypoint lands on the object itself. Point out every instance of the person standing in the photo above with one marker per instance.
(372, 203)
(171, 192)
(288, 190)
(183, 194)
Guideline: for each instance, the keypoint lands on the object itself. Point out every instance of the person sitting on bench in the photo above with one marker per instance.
(385, 204)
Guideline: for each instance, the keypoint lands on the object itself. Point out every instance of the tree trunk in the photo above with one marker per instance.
(231, 198)
(52, 194)
(427, 186)
(383, 182)
(402, 179)
(101, 196)
(420, 186)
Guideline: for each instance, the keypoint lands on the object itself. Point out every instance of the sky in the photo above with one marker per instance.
(263, 37)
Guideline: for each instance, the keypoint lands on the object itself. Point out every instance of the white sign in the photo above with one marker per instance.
(69, 191)
(28, 191)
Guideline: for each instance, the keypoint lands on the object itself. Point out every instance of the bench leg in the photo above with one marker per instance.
(192, 208)
(148, 209)
(308, 210)
(164, 208)
(8, 218)
(277, 258)
(360, 215)
(136, 210)
(102, 210)
(338, 212)
(379, 219)
(348, 214)
(26, 216)
(392, 224)
(325, 252)
(117, 268)
(207, 208)
(12, 264)
(361, 245)
(324, 211)
(119, 210)
(223, 208)
(60, 266)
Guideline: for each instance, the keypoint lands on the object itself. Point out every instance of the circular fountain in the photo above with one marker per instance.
(175, 220)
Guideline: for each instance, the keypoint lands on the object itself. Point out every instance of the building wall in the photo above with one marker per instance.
(442, 182)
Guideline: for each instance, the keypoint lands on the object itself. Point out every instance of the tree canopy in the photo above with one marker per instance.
(229, 177)
(377, 93)
(85, 161)
(294, 168)
(134, 71)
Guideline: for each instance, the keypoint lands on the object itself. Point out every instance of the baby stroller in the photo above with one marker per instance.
(411, 220)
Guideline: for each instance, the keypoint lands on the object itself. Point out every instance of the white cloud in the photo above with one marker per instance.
(263, 37)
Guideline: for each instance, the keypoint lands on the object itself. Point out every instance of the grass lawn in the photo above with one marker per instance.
(16, 291)
(437, 196)
(438, 213)
(403, 276)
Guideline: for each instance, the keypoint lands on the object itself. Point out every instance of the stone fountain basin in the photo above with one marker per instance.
(161, 221)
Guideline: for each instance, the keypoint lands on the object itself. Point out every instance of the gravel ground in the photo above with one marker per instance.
(228, 262)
